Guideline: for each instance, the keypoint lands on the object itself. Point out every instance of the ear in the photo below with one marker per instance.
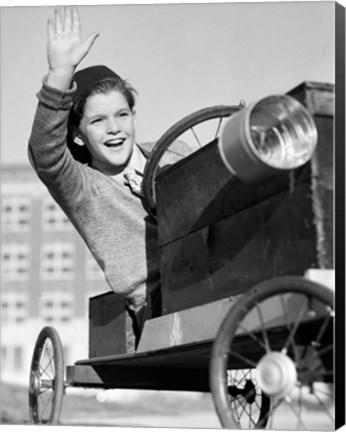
(134, 114)
(77, 138)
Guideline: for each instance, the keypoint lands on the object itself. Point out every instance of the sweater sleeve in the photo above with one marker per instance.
(48, 152)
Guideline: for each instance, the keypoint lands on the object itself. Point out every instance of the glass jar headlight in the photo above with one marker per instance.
(275, 134)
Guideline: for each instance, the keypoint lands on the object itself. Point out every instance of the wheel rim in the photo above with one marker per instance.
(292, 358)
(46, 379)
(197, 130)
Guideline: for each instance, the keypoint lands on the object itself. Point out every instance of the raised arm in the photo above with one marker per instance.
(47, 151)
(65, 47)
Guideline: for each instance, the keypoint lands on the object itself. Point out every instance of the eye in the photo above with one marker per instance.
(124, 114)
(96, 120)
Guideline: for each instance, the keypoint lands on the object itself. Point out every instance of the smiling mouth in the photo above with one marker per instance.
(114, 143)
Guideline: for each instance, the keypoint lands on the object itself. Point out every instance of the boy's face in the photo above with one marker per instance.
(107, 128)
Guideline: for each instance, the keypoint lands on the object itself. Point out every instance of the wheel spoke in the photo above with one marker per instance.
(269, 415)
(245, 374)
(325, 349)
(263, 327)
(300, 402)
(320, 371)
(243, 405)
(323, 406)
(50, 357)
(253, 336)
(46, 390)
(296, 413)
(285, 311)
(249, 415)
(218, 127)
(323, 328)
(241, 357)
(256, 402)
(323, 392)
(294, 329)
(176, 153)
(196, 137)
(44, 370)
(47, 403)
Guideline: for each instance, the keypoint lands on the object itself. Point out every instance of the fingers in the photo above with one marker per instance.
(68, 24)
(65, 45)
(76, 27)
(65, 19)
(58, 21)
(50, 29)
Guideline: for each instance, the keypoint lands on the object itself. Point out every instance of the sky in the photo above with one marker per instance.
(180, 57)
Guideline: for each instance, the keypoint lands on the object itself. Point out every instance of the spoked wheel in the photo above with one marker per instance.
(46, 386)
(282, 330)
(183, 138)
(249, 404)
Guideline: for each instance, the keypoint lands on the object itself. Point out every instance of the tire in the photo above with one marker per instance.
(293, 358)
(46, 386)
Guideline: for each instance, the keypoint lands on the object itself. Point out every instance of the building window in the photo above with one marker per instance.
(66, 351)
(16, 213)
(53, 218)
(92, 269)
(58, 261)
(3, 357)
(15, 262)
(56, 306)
(14, 307)
(18, 358)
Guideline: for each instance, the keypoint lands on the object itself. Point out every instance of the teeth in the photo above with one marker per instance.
(114, 143)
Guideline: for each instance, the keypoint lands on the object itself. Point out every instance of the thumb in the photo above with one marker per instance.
(89, 42)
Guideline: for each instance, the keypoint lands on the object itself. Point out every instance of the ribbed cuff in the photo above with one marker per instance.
(55, 98)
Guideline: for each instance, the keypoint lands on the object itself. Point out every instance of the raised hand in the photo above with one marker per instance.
(65, 47)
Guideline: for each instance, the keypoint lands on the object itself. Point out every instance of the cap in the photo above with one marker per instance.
(88, 77)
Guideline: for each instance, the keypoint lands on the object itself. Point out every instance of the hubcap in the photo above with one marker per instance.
(276, 374)
(35, 383)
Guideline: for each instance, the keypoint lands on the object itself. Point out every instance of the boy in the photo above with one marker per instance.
(83, 147)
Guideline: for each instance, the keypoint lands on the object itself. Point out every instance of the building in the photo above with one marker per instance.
(47, 274)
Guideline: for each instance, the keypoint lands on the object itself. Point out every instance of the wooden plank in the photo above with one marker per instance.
(275, 237)
(206, 191)
(193, 355)
(110, 327)
(318, 97)
(322, 185)
(125, 377)
(202, 323)
(184, 327)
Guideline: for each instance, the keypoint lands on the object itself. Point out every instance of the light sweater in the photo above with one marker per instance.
(112, 221)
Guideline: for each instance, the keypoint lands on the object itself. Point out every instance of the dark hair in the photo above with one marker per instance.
(81, 153)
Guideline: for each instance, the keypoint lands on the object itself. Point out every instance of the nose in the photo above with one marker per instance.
(112, 126)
